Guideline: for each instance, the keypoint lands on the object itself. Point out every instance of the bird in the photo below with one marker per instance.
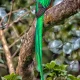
(41, 7)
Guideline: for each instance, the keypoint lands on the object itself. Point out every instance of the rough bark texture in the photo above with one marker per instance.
(62, 10)
(25, 63)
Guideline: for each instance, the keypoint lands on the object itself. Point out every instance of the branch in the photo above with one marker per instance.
(7, 53)
(62, 10)
(12, 2)
(25, 53)
(15, 53)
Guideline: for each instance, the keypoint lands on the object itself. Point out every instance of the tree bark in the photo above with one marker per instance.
(65, 9)
(25, 63)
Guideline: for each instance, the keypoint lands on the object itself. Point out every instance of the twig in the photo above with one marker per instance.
(18, 18)
(15, 31)
(10, 25)
(15, 53)
(16, 41)
(10, 11)
(9, 14)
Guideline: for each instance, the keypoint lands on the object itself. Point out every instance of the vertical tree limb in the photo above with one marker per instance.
(7, 53)
(25, 63)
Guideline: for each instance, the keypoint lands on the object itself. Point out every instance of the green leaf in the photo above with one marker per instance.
(12, 77)
(72, 77)
(63, 67)
(50, 65)
(49, 78)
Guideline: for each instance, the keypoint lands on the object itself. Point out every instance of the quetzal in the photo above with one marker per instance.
(41, 7)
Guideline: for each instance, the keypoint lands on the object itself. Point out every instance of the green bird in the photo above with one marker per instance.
(41, 7)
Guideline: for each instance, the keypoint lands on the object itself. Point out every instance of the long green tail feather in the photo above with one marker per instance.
(39, 46)
(38, 37)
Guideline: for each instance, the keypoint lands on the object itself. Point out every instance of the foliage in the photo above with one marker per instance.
(58, 72)
(12, 77)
